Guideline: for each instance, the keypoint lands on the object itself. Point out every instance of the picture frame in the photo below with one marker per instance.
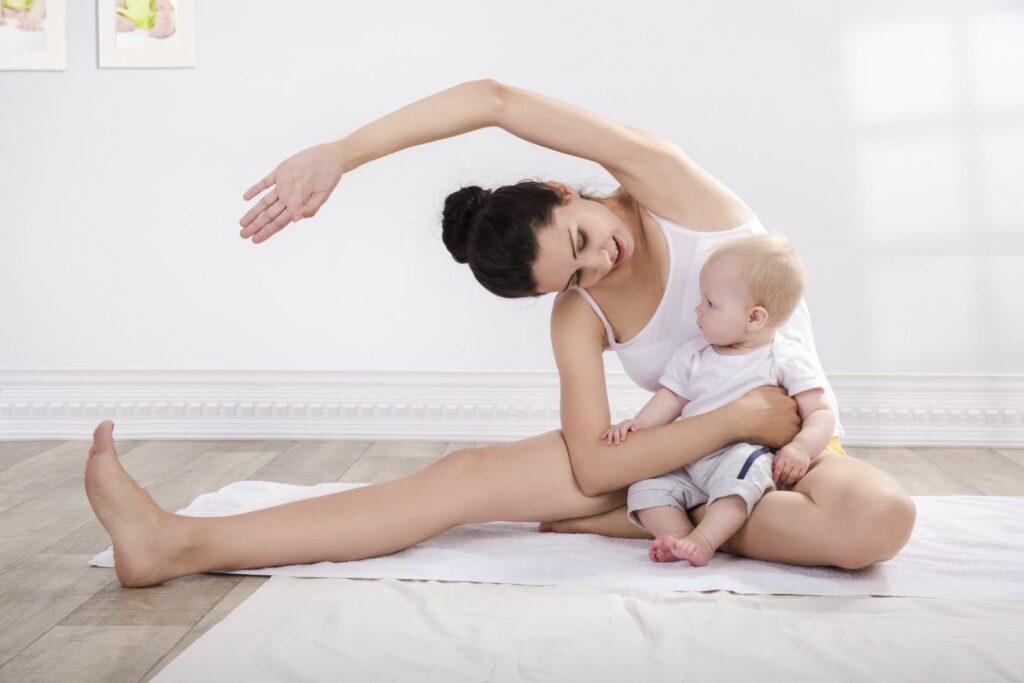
(43, 47)
(163, 35)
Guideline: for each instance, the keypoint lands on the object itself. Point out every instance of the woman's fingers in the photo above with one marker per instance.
(255, 211)
(283, 219)
(259, 187)
(266, 218)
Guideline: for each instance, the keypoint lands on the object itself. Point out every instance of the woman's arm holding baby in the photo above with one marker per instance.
(766, 415)
(818, 424)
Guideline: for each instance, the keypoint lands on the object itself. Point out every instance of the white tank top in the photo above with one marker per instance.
(674, 323)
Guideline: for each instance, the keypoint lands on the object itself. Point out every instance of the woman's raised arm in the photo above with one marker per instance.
(651, 169)
(764, 416)
(302, 183)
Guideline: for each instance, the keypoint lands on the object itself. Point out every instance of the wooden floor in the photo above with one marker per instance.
(62, 620)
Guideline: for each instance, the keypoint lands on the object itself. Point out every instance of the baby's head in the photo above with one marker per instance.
(749, 287)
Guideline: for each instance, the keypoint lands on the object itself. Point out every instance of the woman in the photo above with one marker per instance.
(612, 258)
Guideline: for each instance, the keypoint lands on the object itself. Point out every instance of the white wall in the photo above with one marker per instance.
(887, 140)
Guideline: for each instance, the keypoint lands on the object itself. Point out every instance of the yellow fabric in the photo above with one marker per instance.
(17, 5)
(142, 13)
(835, 446)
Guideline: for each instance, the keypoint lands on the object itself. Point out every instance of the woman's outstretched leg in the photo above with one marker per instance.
(529, 480)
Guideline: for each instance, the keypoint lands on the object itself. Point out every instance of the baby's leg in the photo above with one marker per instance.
(667, 524)
(723, 518)
(34, 17)
(659, 505)
(165, 24)
(735, 479)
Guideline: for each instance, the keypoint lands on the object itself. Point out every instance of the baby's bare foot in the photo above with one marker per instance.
(140, 530)
(164, 25)
(695, 549)
(661, 549)
(31, 23)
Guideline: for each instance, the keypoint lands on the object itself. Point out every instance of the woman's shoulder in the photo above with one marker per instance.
(571, 315)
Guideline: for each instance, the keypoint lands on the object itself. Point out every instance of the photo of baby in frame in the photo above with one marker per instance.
(145, 22)
(146, 33)
(32, 35)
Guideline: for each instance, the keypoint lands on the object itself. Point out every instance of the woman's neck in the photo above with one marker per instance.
(631, 273)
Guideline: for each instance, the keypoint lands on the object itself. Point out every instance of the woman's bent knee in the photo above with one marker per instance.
(880, 526)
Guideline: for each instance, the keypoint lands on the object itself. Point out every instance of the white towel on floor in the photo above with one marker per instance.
(962, 546)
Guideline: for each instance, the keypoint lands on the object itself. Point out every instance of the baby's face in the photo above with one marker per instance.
(724, 304)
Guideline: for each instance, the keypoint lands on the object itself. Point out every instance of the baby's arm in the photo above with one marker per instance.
(663, 407)
(819, 422)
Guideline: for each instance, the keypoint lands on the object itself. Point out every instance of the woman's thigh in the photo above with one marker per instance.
(530, 480)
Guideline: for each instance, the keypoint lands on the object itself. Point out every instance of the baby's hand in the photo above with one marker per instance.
(617, 433)
(790, 465)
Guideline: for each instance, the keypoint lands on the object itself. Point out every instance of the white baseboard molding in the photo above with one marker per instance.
(876, 410)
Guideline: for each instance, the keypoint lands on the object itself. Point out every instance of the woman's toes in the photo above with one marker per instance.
(103, 438)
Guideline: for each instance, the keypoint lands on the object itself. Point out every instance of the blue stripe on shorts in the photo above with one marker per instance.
(751, 458)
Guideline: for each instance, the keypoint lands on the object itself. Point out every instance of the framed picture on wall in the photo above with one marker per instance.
(33, 35)
(146, 33)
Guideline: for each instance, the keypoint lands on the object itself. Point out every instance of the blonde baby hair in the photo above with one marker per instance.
(774, 274)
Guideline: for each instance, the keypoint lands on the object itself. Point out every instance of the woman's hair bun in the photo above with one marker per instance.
(460, 208)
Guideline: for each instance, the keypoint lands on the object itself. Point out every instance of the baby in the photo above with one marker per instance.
(749, 288)
(30, 14)
(155, 16)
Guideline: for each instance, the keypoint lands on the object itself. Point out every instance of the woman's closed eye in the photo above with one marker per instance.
(583, 243)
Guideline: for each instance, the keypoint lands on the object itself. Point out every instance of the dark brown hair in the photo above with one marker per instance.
(494, 231)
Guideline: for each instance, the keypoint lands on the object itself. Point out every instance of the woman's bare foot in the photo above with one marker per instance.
(164, 25)
(695, 549)
(144, 535)
(661, 549)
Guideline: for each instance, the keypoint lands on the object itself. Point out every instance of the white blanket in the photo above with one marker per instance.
(962, 547)
(393, 631)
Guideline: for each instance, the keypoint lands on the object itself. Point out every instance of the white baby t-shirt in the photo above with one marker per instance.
(708, 379)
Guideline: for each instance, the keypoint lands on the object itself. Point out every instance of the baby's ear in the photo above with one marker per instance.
(757, 318)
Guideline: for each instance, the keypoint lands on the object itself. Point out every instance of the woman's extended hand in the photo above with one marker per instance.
(299, 186)
(766, 415)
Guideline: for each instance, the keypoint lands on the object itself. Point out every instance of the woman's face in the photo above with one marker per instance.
(581, 245)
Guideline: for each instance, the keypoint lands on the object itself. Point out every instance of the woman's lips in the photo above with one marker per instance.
(621, 249)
